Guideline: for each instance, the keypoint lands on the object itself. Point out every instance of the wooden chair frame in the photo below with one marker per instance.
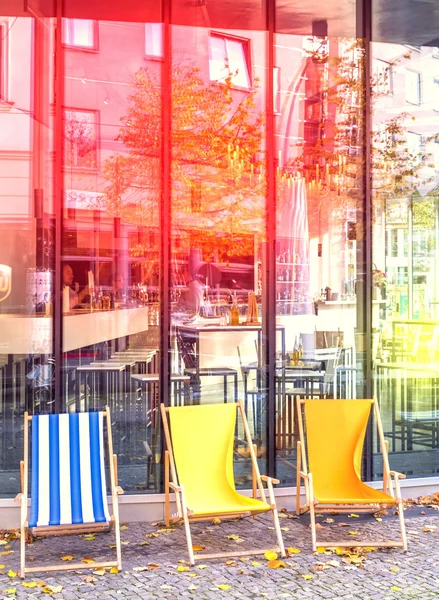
(312, 504)
(48, 530)
(187, 516)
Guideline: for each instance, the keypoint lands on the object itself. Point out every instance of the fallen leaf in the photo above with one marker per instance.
(87, 560)
(202, 566)
(307, 576)
(394, 569)
(318, 526)
(123, 527)
(255, 563)
(333, 563)
(353, 516)
(378, 519)
(181, 569)
(90, 537)
(67, 557)
(114, 570)
(3, 542)
(275, 564)
(144, 544)
(429, 530)
(166, 530)
(12, 573)
(6, 552)
(192, 587)
(352, 532)
(2, 566)
(29, 584)
(395, 588)
(342, 525)
(235, 538)
(270, 555)
(223, 586)
(328, 520)
(99, 572)
(140, 569)
(321, 550)
(198, 548)
(293, 551)
(216, 521)
(231, 563)
(52, 589)
(10, 591)
(89, 578)
(152, 535)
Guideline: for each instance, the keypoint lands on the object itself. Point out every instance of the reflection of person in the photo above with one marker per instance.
(74, 297)
(194, 293)
(118, 287)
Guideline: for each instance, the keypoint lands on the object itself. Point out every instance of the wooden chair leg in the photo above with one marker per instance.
(312, 514)
(299, 466)
(280, 540)
(23, 530)
(187, 527)
(402, 525)
(167, 495)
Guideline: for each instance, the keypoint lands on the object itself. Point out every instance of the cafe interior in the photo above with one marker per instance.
(217, 202)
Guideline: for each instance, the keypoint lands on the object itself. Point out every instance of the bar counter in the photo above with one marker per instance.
(32, 334)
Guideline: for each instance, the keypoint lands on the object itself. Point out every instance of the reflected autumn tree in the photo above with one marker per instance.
(216, 167)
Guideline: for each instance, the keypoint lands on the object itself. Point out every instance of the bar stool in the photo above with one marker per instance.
(149, 413)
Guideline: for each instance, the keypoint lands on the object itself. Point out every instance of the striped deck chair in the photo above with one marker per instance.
(68, 487)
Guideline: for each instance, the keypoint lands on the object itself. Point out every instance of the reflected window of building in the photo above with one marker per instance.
(229, 57)
(154, 40)
(414, 146)
(382, 77)
(80, 33)
(412, 87)
(80, 138)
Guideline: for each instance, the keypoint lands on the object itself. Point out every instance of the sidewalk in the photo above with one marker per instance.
(150, 570)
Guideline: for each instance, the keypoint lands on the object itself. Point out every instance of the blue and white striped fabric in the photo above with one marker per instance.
(68, 473)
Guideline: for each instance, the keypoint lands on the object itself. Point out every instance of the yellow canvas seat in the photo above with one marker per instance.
(199, 459)
(329, 457)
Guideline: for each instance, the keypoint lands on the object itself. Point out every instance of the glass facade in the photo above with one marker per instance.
(213, 202)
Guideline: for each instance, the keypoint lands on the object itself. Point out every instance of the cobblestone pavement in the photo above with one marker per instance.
(153, 564)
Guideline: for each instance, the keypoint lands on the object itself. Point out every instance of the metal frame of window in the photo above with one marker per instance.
(418, 85)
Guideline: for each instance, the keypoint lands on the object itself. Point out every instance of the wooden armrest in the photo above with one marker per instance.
(174, 487)
(18, 497)
(267, 479)
(119, 490)
(397, 475)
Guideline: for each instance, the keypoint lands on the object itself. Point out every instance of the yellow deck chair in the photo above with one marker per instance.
(199, 459)
(335, 431)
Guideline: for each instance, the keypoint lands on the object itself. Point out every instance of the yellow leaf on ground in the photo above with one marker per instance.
(321, 550)
(6, 552)
(100, 571)
(235, 538)
(123, 527)
(216, 521)
(89, 579)
(29, 584)
(181, 569)
(10, 591)
(394, 569)
(354, 516)
(223, 586)
(352, 532)
(307, 576)
(12, 573)
(275, 564)
(255, 563)
(2, 566)
(198, 548)
(67, 557)
(318, 526)
(293, 551)
(395, 588)
(52, 589)
(114, 570)
(342, 525)
(270, 555)
(87, 560)
(90, 537)
(231, 563)
(144, 544)
(3, 542)
(328, 520)
(202, 566)
(168, 530)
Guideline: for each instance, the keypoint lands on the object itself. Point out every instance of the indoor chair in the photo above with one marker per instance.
(329, 457)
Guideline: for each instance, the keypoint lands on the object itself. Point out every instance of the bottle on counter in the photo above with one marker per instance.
(295, 352)
(234, 312)
(301, 350)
